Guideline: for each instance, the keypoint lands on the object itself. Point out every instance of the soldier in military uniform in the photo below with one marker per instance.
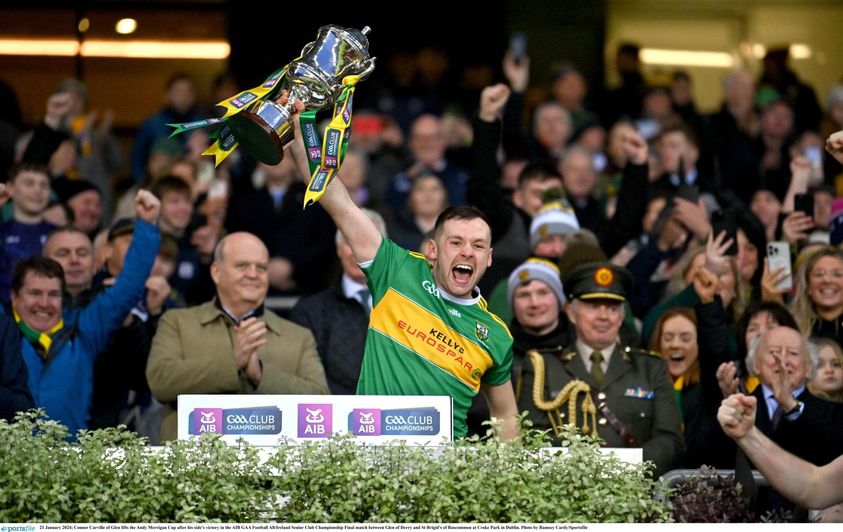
(625, 392)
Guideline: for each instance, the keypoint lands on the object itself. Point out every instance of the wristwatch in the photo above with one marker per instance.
(795, 409)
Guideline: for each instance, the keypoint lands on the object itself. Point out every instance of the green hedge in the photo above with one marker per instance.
(111, 476)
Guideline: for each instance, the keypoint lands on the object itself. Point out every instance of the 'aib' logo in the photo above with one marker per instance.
(365, 422)
(206, 420)
(314, 420)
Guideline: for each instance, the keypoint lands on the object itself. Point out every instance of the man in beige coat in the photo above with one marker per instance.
(232, 345)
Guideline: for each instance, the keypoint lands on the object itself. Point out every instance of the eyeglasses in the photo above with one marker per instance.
(821, 274)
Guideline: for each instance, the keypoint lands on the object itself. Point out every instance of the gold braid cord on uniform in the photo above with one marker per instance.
(568, 394)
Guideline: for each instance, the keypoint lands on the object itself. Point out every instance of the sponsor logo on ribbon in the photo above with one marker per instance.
(315, 420)
(243, 100)
(319, 180)
(332, 148)
(227, 139)
(272, 80)
(310, 134)
(254, 420)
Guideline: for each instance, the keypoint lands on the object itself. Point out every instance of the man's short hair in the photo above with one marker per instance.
(566, 115)
(68, 229)
(458, 212)
(20, 168)
(171, 184)
(780, 315)
(582, 152)
(218, 250)
(683, 129)
(76, 87)
(777, 102)
(40, 266)
(537, 172)
(804, 349)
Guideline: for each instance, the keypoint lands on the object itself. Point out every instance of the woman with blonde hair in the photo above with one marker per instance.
(818, 304)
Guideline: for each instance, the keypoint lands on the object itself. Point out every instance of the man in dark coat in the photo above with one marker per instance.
(787, 413)
(801, 423)
(14, 392)
(338, 317)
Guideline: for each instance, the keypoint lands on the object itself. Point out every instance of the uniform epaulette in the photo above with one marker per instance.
(639, 351)
(568, 354)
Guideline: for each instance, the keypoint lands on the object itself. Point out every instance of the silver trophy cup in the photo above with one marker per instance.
(315, 79)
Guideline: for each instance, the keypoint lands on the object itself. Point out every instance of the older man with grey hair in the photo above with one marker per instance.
(232, 344)
(783, 409)
(801, 423)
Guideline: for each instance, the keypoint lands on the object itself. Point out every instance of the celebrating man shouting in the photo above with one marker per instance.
(429, 330)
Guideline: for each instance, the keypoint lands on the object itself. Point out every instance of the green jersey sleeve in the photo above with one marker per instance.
(500, 373)
(381, 271)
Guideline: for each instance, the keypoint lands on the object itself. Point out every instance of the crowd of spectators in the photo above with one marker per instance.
(126, 282)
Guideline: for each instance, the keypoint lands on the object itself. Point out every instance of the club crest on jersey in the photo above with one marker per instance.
(481, 331)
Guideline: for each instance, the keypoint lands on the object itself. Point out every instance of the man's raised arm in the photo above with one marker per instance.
(358, 230)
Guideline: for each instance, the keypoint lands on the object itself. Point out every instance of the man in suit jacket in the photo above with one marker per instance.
(802, 424)
(232, 345)
(338, 317)
(630, 388)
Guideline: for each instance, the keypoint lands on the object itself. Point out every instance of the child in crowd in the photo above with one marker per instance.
(25, 234)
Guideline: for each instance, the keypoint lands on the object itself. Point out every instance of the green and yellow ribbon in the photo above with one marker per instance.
(224, 141)
(325, 157)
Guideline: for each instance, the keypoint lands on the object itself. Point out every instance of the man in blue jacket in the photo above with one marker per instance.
(59, 354)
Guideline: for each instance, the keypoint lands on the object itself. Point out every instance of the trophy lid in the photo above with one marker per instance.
(357, 38)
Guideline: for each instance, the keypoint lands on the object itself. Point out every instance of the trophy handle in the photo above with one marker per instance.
(306, 49)
(369, 67)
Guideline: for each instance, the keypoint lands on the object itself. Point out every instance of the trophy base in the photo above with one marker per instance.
(263, 130)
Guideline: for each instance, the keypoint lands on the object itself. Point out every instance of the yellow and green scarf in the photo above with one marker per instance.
(40, 339)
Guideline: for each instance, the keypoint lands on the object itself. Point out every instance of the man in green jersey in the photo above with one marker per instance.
(429, 330)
